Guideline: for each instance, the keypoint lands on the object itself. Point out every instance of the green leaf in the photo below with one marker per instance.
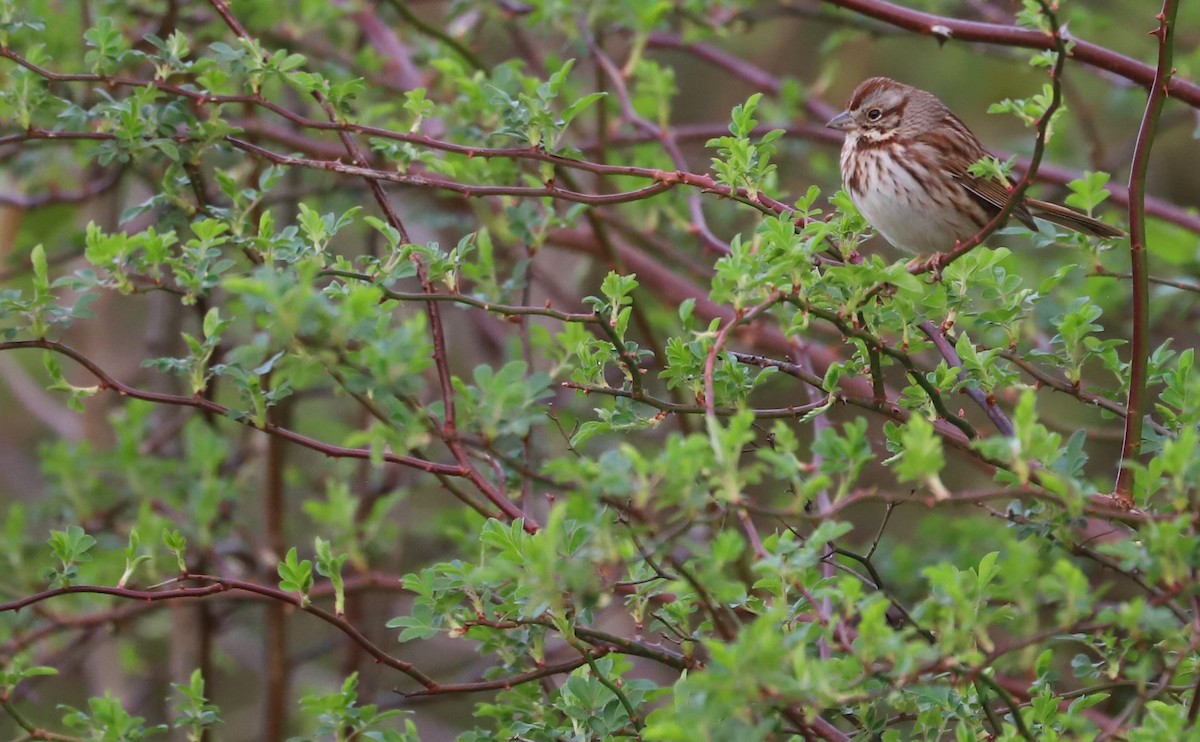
(296, 576)
(920, 456)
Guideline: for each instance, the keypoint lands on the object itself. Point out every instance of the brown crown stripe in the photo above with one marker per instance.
(868, 87)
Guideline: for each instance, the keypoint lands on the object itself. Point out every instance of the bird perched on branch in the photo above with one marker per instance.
(906, 165)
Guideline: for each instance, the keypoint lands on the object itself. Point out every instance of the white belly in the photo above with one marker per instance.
(910, 214)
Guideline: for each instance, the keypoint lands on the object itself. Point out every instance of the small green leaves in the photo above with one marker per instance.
(990, 167)
(24, 97)
(727, 439)
(1031, 443)
(296, 576)
(58, 383)
(1089, 191)
(504, 401)
(1032, 15)
(107, 46)
(420, 624)
(249, 58)
(193, 712)
(16, 19)
(176, 543)
(340, 716)
(330, 565)
(70, 547)
(173, 55)
(133, 558)
(18, 670)
(653, 89)
(742, 164)
(617, 290)
(529, 114)
(417, 105)
(1076, 329)
(107, 719)
(918, 456)
(981, 367)
(1181, 392)
(843, 454)
(599, 701)
(196, 365)
(41, 292)
(321, 228)
(1031, 109)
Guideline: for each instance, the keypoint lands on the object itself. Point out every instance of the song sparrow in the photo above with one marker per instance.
(905, 165)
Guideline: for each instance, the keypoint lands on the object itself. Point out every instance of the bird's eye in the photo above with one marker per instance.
(874, 114)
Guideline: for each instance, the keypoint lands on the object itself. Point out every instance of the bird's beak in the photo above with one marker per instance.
(841, 122)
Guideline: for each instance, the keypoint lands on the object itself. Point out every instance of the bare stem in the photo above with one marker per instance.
(1140, 284)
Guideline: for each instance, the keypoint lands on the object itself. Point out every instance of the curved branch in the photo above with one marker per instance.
(667, 181)
(944, 29)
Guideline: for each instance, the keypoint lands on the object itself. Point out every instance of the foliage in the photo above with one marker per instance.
(506, 353)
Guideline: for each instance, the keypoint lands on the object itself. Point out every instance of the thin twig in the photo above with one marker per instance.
(939, 261)
(401, 7)
(987, 402)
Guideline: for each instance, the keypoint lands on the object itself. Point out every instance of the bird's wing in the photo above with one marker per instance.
(996, 194)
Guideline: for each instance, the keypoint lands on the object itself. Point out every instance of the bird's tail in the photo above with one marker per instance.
(1071, 219)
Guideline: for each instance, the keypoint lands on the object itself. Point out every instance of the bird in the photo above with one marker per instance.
(905, 164)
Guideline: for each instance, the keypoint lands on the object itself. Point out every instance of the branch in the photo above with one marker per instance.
(710, 359)
(223, 584)
(666, 183)
(401, 7)
(200, 403)
(944, 28)
(939, 261)
(768, 413)
(1140, 346)
(985, 401)
(1059, 384)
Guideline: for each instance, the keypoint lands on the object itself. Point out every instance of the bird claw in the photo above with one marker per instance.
(931, 265)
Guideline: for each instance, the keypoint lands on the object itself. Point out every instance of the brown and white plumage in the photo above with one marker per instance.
(905, 163)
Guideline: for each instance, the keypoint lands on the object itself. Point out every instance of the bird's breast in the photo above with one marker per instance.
(907, 197)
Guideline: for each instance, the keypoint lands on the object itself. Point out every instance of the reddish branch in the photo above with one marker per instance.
(197, 402)
(945, 28)
(663, 179)
(433, 311)
(760, 413)
(509, 682)
(218, 585)
(686, 132)
(1140, 286)
(1060, 384)
(603, 643)
(667, 181)
(667, 140)
(987, 402)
